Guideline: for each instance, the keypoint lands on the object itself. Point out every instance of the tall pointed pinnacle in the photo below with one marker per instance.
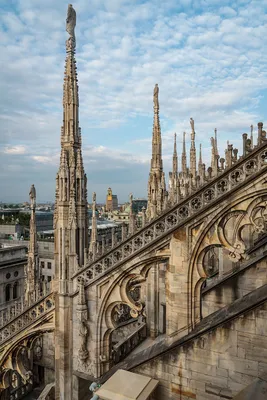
(214, 154)
(200, 162)
(155, 190)
(193, 158)
(156, 161)
(71, 222)
(93, 239)
(175, 158)
(251, 135)
(184, 162)
(33, 273)
(70, 218)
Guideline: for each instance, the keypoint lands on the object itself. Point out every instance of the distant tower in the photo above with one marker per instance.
(111, 201)
(70, 216)
(156, 181)
(32, 269)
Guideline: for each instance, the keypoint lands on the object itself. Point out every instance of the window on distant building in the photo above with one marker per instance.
(49, 278)
(42, 264)
(15, 290)
(8, 276)
(49, 265)
(8, 287)
(16, 273)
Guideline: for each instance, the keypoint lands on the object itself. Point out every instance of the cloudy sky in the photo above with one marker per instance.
(208, 57)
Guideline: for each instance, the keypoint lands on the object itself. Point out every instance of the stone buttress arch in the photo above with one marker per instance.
(196, 273)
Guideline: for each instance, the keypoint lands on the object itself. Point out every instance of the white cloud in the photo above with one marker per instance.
(19, 149)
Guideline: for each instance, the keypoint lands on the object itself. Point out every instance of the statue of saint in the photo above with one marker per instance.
(71, 21)
(32, 193)
(156, 96)
(192, 123)
(94, 197)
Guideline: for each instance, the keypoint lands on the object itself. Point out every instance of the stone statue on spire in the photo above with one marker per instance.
(71, 21)
(70, 26)
(192, 123)
(32, 195)
(156, 96)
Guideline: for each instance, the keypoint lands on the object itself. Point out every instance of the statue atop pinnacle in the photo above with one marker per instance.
(70, 26)
(156, 96)
(71, 21)
(32, 195)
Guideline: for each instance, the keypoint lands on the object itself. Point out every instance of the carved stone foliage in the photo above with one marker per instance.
(227, 180)
(121, 313)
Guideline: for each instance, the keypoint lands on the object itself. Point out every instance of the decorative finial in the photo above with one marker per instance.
(192, 123)
(156, 96)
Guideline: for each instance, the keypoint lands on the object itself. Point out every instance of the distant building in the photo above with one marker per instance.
(13, 259)
(111, 201)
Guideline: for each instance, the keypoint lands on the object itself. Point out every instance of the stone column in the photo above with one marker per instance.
(153, 301)
(177, 285)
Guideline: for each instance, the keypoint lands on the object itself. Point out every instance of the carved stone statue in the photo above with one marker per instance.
(192, 123)
(94, 197)
(32, 195)
(156, 96)
(83, 333)
(71, 21)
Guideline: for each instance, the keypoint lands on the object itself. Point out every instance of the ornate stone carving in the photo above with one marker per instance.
(71, 21)
(82, 313)
(156, 96)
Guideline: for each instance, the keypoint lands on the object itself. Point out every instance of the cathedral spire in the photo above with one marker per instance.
(184, 166)
(156, 182)
(32, 269)
(175, 158)
(70, 217)
(71, 222)
(193, 150)
(93, 239)
(200, 162)
(214, 154)
(156, 161)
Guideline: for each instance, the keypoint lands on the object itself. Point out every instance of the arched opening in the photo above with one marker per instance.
(8, 292)
(15, 290)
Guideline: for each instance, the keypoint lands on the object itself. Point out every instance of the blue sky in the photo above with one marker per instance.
(208, 57)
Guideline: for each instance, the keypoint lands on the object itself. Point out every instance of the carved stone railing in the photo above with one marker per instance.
(18, 306)
(29, 316)
(176, 216)
(125, 346)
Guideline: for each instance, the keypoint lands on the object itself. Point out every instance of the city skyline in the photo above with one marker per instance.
(197, 55)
